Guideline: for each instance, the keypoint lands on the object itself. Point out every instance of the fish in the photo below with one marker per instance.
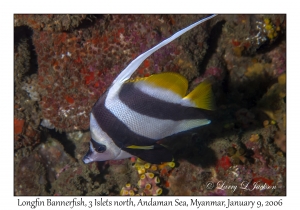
(134, 114)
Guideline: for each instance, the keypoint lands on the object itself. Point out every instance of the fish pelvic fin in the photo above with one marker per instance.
(202, 96)
(140, 147)
(158, 155)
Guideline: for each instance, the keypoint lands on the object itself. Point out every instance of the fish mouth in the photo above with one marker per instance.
(86, 159)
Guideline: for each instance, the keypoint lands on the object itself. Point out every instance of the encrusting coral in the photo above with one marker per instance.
(149, 182)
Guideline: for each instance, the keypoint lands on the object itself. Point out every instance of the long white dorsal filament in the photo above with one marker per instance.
(133, 66)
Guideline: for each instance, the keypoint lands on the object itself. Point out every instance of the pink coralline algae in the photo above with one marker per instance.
(76, 68)
(278, 56)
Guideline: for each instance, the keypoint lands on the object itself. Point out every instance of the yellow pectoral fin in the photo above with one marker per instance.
(202, 96)
(140, 147)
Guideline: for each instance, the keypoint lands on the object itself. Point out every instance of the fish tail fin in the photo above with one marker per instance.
(201, 97)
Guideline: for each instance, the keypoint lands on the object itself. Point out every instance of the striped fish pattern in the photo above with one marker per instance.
(133, 115)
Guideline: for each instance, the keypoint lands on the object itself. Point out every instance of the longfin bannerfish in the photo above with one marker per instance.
(132, 115)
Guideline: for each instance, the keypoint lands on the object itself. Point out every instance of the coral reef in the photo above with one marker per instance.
(30, 177)
(76, 68)
(187, 173)
(50, 22)
(34, 172)
(26, 110)
(149, 182)
(128, 190)
(242, 155)
(280, 140)
(64, 63)
(25, 135)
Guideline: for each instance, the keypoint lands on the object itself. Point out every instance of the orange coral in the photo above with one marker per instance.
(18, 126)
(224, 163)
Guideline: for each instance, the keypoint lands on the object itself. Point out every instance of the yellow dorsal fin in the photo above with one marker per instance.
(140, 147)
(202, 96)
(170, 81)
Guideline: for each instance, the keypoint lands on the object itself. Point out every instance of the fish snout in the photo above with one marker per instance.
(86, 159)
(88, 156)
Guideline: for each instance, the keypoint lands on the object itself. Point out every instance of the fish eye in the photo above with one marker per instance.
(101, 148)
(98, 147)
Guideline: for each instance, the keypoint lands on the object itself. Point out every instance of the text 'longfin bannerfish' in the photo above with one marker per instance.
(131, 116)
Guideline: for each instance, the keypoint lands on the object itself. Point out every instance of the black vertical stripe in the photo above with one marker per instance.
(116, 129)
(123, 136)
(147, 105)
